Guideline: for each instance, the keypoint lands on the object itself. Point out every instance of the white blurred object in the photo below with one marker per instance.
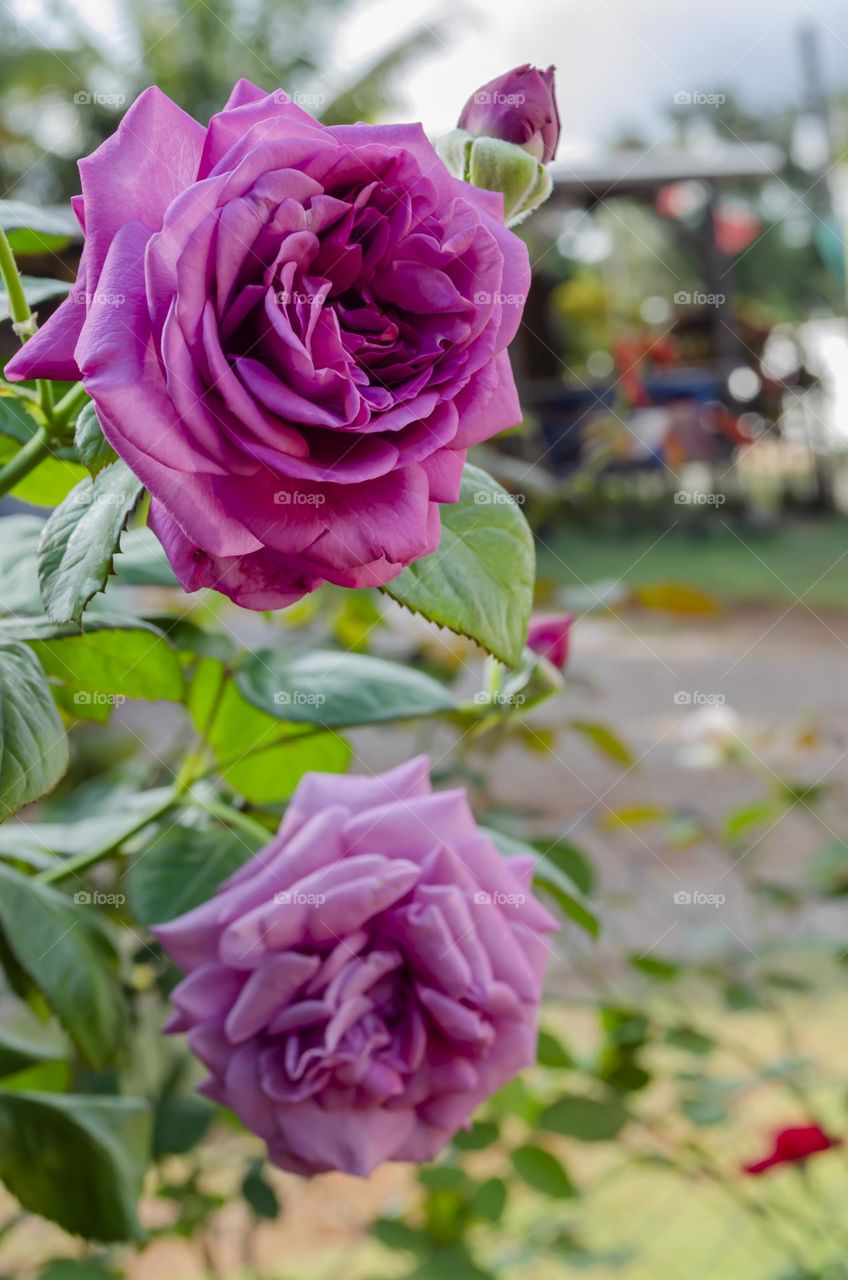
(708, 736)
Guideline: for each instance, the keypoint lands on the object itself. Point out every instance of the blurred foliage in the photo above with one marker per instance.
(84, 80)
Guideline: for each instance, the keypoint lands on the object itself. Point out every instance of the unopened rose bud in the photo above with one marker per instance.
(549, 636)
(518, 107)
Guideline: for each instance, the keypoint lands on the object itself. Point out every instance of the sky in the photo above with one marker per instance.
(619, 62)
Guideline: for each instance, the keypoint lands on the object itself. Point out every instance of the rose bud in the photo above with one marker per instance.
(518, 107)
(794, 1146)
(549, 636)
(374, 973)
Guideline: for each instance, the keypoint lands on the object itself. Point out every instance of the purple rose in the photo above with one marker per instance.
(519, 106)
(550, 635)
(291, 334)
(367, 979)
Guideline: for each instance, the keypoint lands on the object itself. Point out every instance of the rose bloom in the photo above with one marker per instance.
(794, 1146)
(549, 635)
(291, 334)
(366, 980)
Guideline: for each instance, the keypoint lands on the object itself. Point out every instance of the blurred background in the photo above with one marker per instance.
(684, 464)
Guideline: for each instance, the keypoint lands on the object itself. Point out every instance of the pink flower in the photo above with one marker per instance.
(794, 1146)
(367, 979)
(518, 106)
(549, 636)
(291, 334)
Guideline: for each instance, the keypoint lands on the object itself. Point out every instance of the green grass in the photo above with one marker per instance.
(769, 568)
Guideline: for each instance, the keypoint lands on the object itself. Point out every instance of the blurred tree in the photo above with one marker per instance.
(61, 99)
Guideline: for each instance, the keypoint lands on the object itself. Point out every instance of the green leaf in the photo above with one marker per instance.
(75, 1159)
(548, 877)
(37, 289)
(689, 1039)
(49, 483)
(179, 1124)
(132, 661)
(568, 904)
(74, 1269)
(260, 758)
(567, 858)
(481, 1135)
(543, 1172)
(17, 1054)
(828, 869)
(489, 1200)
(181, 868)
(259, 1193)
(338, 690)
(142, 562)
(67, 953)
(551, 1053)
(33, 745)
(654, 967)
(35, 230)
(584, 1118)
(92, 446)
(39, 843)
(395, 1234)
(479, 583)
(80, 539)
(18, 559)
(604, 740)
